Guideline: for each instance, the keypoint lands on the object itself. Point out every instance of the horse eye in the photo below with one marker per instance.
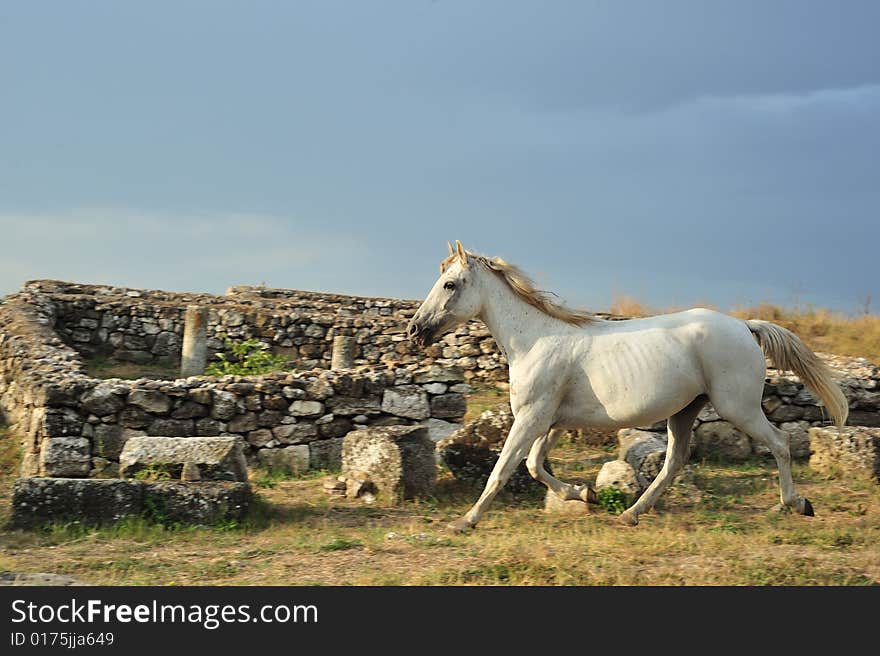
(449, 285)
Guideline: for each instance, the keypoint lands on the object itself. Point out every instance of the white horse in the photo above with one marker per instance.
(569, 370)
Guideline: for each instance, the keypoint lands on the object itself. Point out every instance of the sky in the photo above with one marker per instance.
(682, 153)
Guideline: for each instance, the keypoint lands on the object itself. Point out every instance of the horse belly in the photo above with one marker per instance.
(632, 388)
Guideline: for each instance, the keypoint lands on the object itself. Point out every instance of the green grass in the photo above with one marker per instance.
(340, 544)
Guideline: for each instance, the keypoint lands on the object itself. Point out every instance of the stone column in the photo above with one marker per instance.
(194, 356)
(343, 352)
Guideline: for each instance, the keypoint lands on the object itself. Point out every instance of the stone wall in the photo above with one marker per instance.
(147, 326)
(74, 425)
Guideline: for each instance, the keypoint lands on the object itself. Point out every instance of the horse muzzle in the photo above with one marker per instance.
(420, 333)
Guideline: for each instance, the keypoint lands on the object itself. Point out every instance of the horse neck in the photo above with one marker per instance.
(515, 325)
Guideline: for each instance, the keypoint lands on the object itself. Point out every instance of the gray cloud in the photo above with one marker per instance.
(681, 151)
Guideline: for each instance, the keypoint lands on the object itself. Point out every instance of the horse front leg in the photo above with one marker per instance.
(527, 427)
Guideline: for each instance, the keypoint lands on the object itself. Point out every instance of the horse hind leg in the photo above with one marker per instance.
(679, 428)
(757, 426)
(535, 463)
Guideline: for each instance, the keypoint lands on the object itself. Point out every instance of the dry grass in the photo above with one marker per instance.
(106, 368)
(483, 397)
(854, 335)
(627, 306)
(824, 330)
(713, 530)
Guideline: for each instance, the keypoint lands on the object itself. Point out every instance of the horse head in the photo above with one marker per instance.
(454, 298)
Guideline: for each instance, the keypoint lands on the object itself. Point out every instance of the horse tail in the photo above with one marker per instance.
(787, 351)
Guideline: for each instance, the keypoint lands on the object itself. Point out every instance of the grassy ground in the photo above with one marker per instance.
(105, 368)
(483, 396)
(714, 529)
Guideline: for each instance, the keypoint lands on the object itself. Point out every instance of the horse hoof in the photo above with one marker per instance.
(808, 508)
(628, 518)
(459, 526)
(587, 494)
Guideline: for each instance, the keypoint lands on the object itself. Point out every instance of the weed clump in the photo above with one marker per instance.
(613, 500)
(248, 358)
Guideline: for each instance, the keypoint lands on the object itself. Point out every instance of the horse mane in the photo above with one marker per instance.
(523, 286)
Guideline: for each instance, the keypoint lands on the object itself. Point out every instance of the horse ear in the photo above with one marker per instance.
(448, 245)
(461, 254)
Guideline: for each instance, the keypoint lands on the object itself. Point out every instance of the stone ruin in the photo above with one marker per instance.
(352, 368)
(75, 426)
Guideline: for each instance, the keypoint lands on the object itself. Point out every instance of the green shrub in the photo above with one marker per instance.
(247, 358)
(613, 500)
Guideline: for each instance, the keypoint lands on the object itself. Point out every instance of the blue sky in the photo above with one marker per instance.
(679, 152)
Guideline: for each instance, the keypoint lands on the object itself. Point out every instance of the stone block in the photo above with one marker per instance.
(104, 399)
(39, 501)
(644, 451)
(244, 423)
(798, 439)
(721, 439)
(196, 503)
(306, 408)
(207, 427)
(65, 457)
(326, 454)
(295, 433)
(59, 422)
(437, 374)
(172, 427)
(847, 451)
(399, 460)
(225, 405)
(553, 505)
(103, 468)
(346, 405)
(150, 401)
(334, 427)
(134, 417)
(409, 401)
(260, 437)
(448, 406)
(620, 475)
(190, 410)
(218, 458)
(289, 459)
(786, 412)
